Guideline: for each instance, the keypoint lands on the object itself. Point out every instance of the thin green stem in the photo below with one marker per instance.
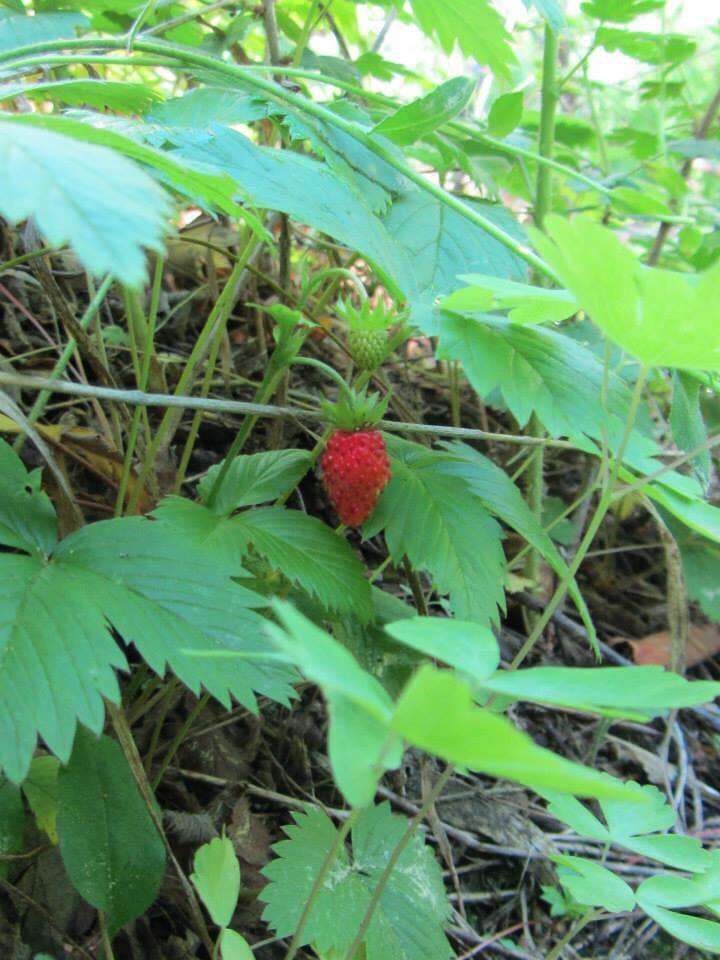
(318, 882)
(216, 320)
(384, 877)
(336, 272)
(183, 402)
(574, 930)
(326, 369)
(283, 96)
(105, 936)
(142, 384)
(63, 360)
(179, 737)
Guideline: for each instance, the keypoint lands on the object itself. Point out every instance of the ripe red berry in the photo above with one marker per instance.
(356, 469)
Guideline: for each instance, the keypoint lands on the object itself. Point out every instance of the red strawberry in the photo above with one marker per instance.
(356, 469)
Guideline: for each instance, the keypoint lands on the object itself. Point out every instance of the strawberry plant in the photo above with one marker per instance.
(358, 427)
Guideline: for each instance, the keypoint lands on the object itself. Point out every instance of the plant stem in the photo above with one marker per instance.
(546, 141)
(325, 866)
(216, 320)
(574, 930)
(105, 936)
(179, 737)
(61, 363)
(543, 204)
(183, 402)
(142, 384)
(395, 856)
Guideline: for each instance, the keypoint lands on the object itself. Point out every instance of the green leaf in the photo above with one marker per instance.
(110, 847)
(255, 478)
(415, 120)
(324, 661)
(41, 792)
(19, 30)
(660, 317)
(99, 94)
(526, 304)
(594, 885)
(441, 245)
(705, 149)
(431, 516)
(360, 707)
(505, 114)
(408, 921)
(233, 946)
(208, 189)
(468, 647)
(688, 427)
(419, 244)
(56, 646)
(474, 25)
(436, 713)
(695, 931)
(637, 692)
(502, 497)
(656, 48)
(620, 11)
(632, 825)
(202, 107)
(301, 547)
(12, 822)
(104, 205)
(216, 876)
(309, 554)
(701, 568)
(27, 518)
(529, 366)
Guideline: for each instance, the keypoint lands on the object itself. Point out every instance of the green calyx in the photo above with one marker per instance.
(366, 317)
(355, 409)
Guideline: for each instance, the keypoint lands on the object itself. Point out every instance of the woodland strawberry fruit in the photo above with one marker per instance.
(356, 469)
(355, 465)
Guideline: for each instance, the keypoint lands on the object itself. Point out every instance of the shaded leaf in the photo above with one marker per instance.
(19, 29)
(110, 847)
(41, 792)
(99, 94)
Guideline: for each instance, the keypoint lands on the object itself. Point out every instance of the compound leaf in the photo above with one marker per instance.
(408, 921)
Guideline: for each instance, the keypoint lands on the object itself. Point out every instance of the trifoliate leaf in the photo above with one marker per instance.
(434, 518)
(139, 577)
(301, 547)
(216, 877)
(408, 921)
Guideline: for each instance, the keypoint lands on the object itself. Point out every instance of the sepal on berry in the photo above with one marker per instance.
(355, 409)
